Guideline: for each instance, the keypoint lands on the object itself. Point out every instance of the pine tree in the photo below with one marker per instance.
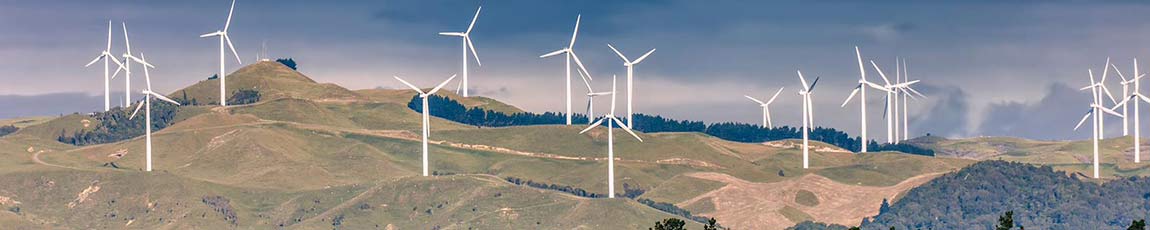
(1137, 225)
(1006, 221)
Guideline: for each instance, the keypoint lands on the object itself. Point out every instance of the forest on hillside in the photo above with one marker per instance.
(450, 109)
(1040, 198)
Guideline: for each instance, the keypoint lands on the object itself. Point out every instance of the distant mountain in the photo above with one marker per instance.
(1041, 198)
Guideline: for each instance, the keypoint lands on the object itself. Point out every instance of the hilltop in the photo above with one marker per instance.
(306, 141)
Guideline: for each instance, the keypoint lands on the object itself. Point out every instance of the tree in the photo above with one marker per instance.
(712, 224)
(885, 207)
(670, 224)
(290, 63)
(1006, 221)
(1137, 225)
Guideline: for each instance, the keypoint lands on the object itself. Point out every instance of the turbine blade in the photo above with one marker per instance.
(916, 92)
(626, 128)
(880, 73)
(162, 97)
(1084, 117)
(809, 89)
(121, 67)
(1107, 91)
(440, 86)
(557, 52)
(756, 100)
(802, 79)
(114, 60)
(233, 48)
(212, 34)
(457, 34)
(620, 54)
(409, 84)
(138, 106)
(1119, 72)
(127, 44)
(637, 61)
(576, 32)
(593, 125)
(472, 25)
(776, 95)
(862, 71)
(101, 56)
(471, 46)
(1144, 98)
(1110, 111)
(109, 49)
(586, 80)
(580, 64)
(230, 10)
(853, 92)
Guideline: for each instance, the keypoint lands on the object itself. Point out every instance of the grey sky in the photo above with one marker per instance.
(978, 59)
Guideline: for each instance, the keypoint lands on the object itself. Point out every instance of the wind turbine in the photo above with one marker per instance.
(611, 121)
(861, 89)
(426, 119)
(569, 50)
(630, 71)
(148, 95)
(1136, 96)
(766, 108)
(591, 94)
(905, 89)
(895, 99)
(106, 55)
(1096, 90)
(223, 34)
(467, 45)
(808, 116)
(127, 67)
(890, 93)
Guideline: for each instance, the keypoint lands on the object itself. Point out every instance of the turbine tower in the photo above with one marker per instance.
(766, 108)
(630, 71)
(106, 55)
(467, 45)
(223, 34)
(1096, 89)
(148, 95)
(611, 122)
(569, 50)
(808, 116)
(906, 91)
(426, 119)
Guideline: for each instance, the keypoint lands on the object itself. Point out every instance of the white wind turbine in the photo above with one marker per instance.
(591, 94)
(426, 119)
(766, 108)
(1125, 95)
(106, 55)
(1136, 96)
(890, 93)
(223, 34)
(148, 95)
(569, 50)
(127, 67)
(904, 88)
(611, 121)
(861, 90)
(630, 71)
(1096, 90)
(467, 45)
(808, 116)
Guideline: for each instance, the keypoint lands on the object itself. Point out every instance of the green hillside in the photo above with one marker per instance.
(306, 141)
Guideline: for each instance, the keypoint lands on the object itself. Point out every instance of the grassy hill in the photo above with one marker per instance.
(306, 150)
(1116, 154)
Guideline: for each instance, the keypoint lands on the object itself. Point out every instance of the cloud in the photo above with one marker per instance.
(948, 114)
(1051, 118)
(889, 31)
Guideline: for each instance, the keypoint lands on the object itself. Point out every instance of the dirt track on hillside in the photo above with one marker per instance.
(748, 205)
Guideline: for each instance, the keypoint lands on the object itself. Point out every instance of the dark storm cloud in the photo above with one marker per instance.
(947, 117)
(1051, 118)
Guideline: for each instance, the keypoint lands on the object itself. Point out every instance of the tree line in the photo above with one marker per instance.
(115, 125)
(450, 109)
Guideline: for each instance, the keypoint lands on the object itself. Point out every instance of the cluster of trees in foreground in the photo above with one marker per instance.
(1034, 197)
(447, 108)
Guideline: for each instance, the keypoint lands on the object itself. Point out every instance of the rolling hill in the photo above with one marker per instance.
(311, 155)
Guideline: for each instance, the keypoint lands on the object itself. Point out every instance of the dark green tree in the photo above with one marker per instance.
(1006, 221)
(712, 224)
(1137, 225)
(670, 224)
